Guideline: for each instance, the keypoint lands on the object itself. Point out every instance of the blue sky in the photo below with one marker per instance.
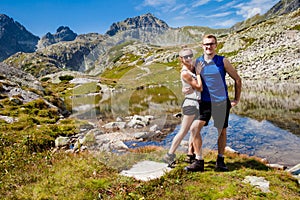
(87, 16)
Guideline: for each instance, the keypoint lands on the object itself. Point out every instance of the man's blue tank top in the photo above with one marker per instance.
(213, 80)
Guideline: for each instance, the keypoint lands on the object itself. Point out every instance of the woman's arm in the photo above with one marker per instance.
(196, 84)
(189, 90)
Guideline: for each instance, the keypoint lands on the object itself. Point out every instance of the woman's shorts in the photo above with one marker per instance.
(191, 107)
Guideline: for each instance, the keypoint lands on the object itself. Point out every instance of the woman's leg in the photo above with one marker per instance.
(185, 125)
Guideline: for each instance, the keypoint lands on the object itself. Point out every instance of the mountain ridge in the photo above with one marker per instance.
(143, 21)
(14, 38)
(131, 27)
(280, 8)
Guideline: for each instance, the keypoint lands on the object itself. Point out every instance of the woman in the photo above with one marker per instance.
(190, 110)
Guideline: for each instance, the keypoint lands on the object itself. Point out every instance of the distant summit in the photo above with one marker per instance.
(15, 38)
(63, 33)
(283, 7)
(280, 8)
(139, 22)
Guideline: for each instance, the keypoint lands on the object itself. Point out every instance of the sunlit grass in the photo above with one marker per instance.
(89, 176)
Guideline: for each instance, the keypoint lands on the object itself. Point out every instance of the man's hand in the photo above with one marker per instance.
(187, 90)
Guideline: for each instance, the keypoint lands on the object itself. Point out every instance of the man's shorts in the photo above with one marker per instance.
(219, 111)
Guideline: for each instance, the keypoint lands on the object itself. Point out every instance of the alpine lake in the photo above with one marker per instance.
(265, 123)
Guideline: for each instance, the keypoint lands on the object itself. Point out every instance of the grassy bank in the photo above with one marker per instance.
(83, 176)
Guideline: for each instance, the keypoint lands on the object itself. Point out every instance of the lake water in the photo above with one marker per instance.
(278, 142)
(247, 136)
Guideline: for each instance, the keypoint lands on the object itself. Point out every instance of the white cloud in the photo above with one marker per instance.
(226, 23)
(161, 6)
(180, 17)
(156, 3)
(219, 15)
(254, 7)
(200, 3)
(178, 7)
(185, 11)
(223, 14)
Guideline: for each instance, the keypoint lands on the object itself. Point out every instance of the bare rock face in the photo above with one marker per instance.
(14, 38)
(63, 33)
(19, 77)
(143, 21)
(283, 7)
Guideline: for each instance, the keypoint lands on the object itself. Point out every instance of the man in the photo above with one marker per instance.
(214, 97)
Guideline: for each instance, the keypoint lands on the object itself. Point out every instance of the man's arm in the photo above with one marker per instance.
(237, 81)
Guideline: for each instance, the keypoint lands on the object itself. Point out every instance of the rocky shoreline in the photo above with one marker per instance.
(111, 137)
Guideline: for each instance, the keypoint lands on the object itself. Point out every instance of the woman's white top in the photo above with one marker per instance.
(192, 98)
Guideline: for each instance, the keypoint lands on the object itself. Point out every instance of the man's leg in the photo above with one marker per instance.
(222, 140)
(220, 113)
(191, 152)
(220, 164)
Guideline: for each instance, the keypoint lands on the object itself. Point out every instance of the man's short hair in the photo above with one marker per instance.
(210, 36)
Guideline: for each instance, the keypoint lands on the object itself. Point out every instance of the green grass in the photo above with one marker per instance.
(84, 176)
(30, 169)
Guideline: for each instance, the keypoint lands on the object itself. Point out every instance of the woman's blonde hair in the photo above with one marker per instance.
(184, 48)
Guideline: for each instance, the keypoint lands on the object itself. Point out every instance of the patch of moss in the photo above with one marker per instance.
(116, 72)
(296, 27)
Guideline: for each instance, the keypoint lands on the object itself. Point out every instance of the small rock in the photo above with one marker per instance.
(259, 182)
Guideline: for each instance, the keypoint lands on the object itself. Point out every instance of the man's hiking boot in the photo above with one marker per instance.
(190, 158)
(196, 166)
(169, 159)
(220, 165)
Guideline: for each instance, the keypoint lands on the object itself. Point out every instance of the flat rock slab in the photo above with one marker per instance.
(147, 170)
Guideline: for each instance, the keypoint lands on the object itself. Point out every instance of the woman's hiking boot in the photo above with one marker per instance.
(169, 159)
(196, 166)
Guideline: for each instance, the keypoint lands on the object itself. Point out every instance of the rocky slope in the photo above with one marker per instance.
(268, 50)
(14, 38)
(147, 21)
(59, 56)
(18, 87)
(63, 33)
(281, 8)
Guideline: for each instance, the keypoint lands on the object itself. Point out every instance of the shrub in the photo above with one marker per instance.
(66, 78)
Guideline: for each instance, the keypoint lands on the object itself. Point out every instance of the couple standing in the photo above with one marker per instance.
(206, 96)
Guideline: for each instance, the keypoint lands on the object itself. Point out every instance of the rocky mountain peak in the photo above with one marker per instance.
(143, 21)
(14, 38)
(63, 33)
(283, 7)
(280, 8)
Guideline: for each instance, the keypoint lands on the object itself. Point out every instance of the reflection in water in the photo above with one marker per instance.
(278, 103)
(248, 136)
